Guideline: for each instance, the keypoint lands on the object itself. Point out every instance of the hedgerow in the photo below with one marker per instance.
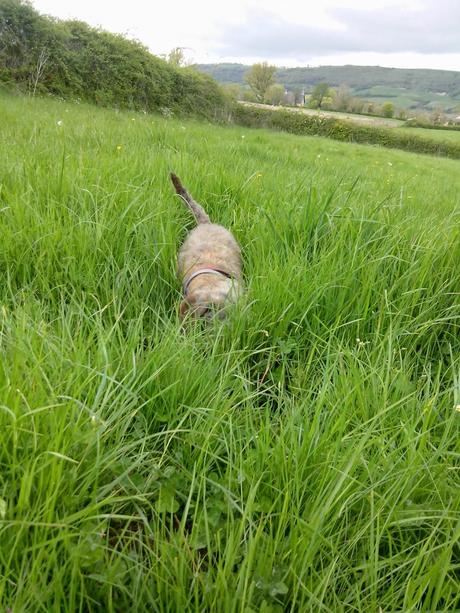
(70, 59)
(417, 123)
(300, 123)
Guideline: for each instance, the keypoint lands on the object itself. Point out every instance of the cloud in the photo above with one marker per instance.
(430, 28)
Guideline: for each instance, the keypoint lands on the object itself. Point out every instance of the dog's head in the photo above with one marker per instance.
(207, 297)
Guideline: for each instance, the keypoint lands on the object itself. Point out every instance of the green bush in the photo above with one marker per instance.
(301, 123)
(388, 109)
(70, 59)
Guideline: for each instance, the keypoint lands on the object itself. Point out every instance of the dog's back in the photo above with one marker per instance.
(210, 244)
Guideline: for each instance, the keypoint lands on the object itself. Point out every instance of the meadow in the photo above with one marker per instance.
(452, 136)
(304, 455)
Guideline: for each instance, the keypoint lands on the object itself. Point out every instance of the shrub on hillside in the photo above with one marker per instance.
(233, 91)
(388, 109)
(274, 94)
(69, 58)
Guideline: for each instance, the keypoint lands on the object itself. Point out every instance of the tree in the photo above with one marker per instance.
(38, 71)
(274, 94)
(289, 98)
(259, 78)
(299, 96)
(176, 57)
(388, 109)
(437, 115)
(233, 90)
(249, 96)
(355, 105)
(341, 97)
(27, 42)
(320, 91)
(370, 110)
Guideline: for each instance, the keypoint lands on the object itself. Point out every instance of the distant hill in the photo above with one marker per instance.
(406, 88)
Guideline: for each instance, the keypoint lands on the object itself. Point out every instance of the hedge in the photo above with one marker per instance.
(42, 55)
(301, 123)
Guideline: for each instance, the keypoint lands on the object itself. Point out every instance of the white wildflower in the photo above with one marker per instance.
(96, 421)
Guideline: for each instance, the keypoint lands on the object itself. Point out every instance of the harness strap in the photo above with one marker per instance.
(205, 271)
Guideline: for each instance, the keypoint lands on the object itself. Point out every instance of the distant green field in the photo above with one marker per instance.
(304, 455)
(407, 98)
(452, 136)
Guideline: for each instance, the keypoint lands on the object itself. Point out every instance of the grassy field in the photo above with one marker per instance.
(303, 456)
(408, 98)
(451, 136)
(353, 117)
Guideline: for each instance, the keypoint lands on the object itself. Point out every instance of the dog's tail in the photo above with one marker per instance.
(198, 211)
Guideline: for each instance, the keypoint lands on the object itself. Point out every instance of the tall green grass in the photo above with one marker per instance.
(302, 456)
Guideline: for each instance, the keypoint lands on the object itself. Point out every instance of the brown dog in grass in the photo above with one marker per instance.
(209, 264)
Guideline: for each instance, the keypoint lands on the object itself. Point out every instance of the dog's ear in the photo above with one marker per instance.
(183, 309)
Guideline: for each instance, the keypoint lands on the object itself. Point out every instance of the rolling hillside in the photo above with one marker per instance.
(406, 88)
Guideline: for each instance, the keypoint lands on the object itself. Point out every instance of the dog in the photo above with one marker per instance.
(208, 265)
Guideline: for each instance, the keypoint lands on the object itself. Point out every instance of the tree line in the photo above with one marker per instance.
(43, 55)
(263, 89)
(260, 79)
(359, 78)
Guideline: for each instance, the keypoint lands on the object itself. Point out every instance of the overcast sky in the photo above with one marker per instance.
(409, 34)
